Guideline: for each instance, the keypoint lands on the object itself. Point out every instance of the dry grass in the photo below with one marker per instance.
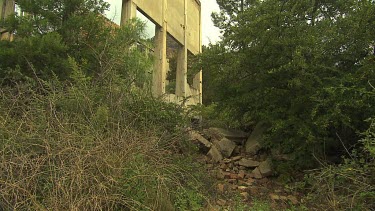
(72, 150)
(349, 186)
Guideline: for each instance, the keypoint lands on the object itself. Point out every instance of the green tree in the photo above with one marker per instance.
(304, 66)
(53, 31)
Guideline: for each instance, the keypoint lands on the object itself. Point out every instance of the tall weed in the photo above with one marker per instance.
(88, 146)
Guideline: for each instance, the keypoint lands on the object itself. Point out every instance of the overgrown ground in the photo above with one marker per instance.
(94, 145)
(90, 147)
(79, 129)
(349, 185)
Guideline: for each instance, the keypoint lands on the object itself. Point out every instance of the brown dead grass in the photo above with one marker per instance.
(55, 160)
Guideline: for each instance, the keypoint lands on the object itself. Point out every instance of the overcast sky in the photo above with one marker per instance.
(209, 32)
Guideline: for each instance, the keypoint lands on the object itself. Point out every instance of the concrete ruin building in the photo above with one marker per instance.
(179, 19)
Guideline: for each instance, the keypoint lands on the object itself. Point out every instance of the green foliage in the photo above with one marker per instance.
(239, 205)
(213, 117)
(188, 199)
(260, 205)
(85, 146)
(79, 129)
(350, 185)
(303, 66)
(369, 140)
(193, 69)
(36, 56)
(59, 30)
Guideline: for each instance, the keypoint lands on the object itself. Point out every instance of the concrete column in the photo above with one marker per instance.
(197, 84)
(129, 11)
(199, 80)
(181, 74)
(7, 8)
(2, 5)
(160, 65)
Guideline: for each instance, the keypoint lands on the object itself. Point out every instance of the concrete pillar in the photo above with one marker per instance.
(7, 8)
(129, 11)
(160, 65)
(181, 74)
(2, 5)
(199, 80)
(197, 84)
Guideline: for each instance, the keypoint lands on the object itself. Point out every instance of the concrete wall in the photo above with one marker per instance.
(175, 19)
(7, 7)
(153, 8)
(182, 20)
(194, 37)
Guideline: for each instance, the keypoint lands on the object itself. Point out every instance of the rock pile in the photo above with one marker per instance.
(238, 162)
(235, 152)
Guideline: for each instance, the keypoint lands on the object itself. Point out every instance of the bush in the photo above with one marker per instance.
(84, 146)
(302, 66)
(350, 185)
(79, 129)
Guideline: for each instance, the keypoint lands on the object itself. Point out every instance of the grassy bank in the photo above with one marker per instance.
(92, 146)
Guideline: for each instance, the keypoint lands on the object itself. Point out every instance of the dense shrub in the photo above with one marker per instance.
(350, 185)
(84, 146)
(303, 66)
(79, 129)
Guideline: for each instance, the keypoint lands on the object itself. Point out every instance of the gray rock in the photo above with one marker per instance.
(253, 143)
(236, 136)
(256, 173)
(248, 163)
(215, 154)
(194, 136)
(237, 158)
(265, 168)
(226, 147)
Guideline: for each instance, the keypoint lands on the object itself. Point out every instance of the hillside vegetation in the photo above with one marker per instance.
(307, 68)
(79, 129)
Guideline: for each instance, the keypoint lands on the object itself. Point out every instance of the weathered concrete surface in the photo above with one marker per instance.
(194, 37)
(253, 143)
(256, 173)
(265, 168)
(234, 135)
(153, 9)
(7, 7)
(248, 163)
(225, 146)
(194, 136)
(215, 154)
(129, 11)
(181, 72)
(182, 20)
(160, 64)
